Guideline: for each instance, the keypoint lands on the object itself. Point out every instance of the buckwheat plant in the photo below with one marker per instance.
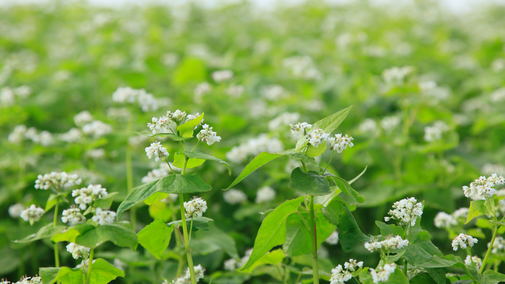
(173, 180)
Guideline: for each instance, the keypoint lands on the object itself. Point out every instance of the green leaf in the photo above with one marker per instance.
(440, 262)
(438, 274)
(330, 123)
(310, 183)
(273, 230)
(493, 277)
(169, 184)
(326, 199)
(392, 229)
(274, 258)
(298, 238)
(119, 233)
(102, 272)
(160, 210)
(200, 155)
(260, 160)
(421, 250)
(350, 234)
(70, 234)
(105, 202)
(199, 223)
(156, 198)
(332, 211)
(43, 233)
(316, 151)
(155, 237)
(52, 200)
(477, 208)
(422, 278)
(189, 70)
(186, 129)
(350, 195)
(212, 240)
(191, 162)
(65, 275)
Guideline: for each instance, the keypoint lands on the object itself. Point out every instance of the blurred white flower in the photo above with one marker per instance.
(265, 194)
(78, 251)
(333, 238)
(15, 210)
(282, 120)
(234, 196)
(96, 129)
(82, 118)
(221, 76)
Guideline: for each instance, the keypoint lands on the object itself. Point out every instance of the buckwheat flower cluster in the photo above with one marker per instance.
(230, 264)
(489, 169)
(317, 137)
(222, 75)
(235, 91)
(234, 196)
(56, 180)
(96, 128)
(369, 126)
(471, 260)
(254, 146)
(73, 135)
(201, 90)
(300, 129)
(32, 214)
(498, 245)
(17, 135)
(388, 243)
(146, 101)
(382, 273)
(195, 207)
(274, 92)
(396, 75)
(157, 151)
(21, 133)
(103, 217)
(25, 280)
(16, 209)
(207, 135)
(389, 123)
(483, 188)
(199, 273)
(78, 251)
(463, 241)
(497, 95)
(72, 216)
(283, 119)
(82, 118)
(265, 194)
(86, 195)
(340, 143)
(461, 214)
(406, 211)
(162, 124)
(434, 132)
(302, 67)
(340, 275)
(444, 220)
(333, 238)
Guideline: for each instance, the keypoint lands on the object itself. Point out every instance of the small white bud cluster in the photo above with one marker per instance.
(230, 264)
(83, 118)
(207, 135)
(235, 91)
(389, 123)
(56, 180)
(461, 214)
(368, 126)
(32, 214)
(201, 90)
(300, 129)
(222, 75)
(340, 275)
(463, 241)
(389, 243)
(158, 173)
(497, 95)
(195, 207)
(280, 121)
(302, 67)
(434, 133)
(430, 90)
(234, 196)
(157, 151)
(444, 220)
(274, 92)
(96, 154)
(7, 95)
(199, 273)
(498, 245)
(72, 216)
(103, 217)
(24, 280)
(78, 251)
(473, 261)
(381, 274)
(73, 135)
(483, 188)
(16, 209)
(265, 194)
(317, 137)
(254, 146)
(396, 75)
(21, 133)
(162, 124)
(340, 143)
(96, 128)
(333, 238)
(146, 101)
(406, 211)
(86, 195)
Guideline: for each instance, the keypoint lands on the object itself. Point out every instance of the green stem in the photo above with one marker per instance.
(90, 264)
(198, 141)
(406, 266)
(185, 231)
(129, 177)
(329, 162)
(190, 229)
(495, 231)
(313, 236)
(55, 219)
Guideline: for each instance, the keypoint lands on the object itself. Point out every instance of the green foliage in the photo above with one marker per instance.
(119, 233)
(310, 183)
(260, 160)
(186, 129)
(350, 234)
(155, 237)
(43, 233)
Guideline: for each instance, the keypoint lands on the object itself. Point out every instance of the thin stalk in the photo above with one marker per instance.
(55, 219)
(495, 231)
(195, 145)
(405, 265)
(129, 176)
(329, 162)
(298, 278)
(190, 229)
(313, 236)
(90, 264)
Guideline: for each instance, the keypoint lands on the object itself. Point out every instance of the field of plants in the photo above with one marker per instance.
(303, 144)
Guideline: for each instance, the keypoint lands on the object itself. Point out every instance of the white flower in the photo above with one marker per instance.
(157, 151)
(406, 211)
(317, 137)
(273, 92)
(280, 121)
(201, 90)
(253, 147)
(498, 245)
(103, 217)
(119, 114)
(382, 273)
(124, 95)
(497, 95)
(434, 132)
(353, 265)
(18, 135)
(207, 135)
(265, 194)
(470, 260)
(388, 243)
(78, 251)
(235, 90)
(96, 128)
(73, 135)
(396, 75)
(333, 238)
(119, 264)
(32, 214)
(137, 141)
(221, 76)
(369, 126)
(234, 196)
(463, 241)
(302, 67)
(461, 213)
(483, 188)
(230, 264)
(82, 118)
(56, 180)
(96, 154)
(146, 101)
(444, 220)
(6, 97)
(156, 174)
(72, 216)
(160, 125)
(489, 169)
(389, 123)
(23, 91)
(195, 207)
(300, 129)
(86, 195)
(16, 209)
(45, 138)
(339, 275)
(340, 143)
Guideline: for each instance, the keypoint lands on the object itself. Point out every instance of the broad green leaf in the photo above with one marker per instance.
(493, 277)
(199, 223)
(45, 232)
(155, 237)
(330, 123)
(156, 198)
(421, 250)
(212, 240)
(260, 160)
(189, 70)
(274, 258)
(332, 211)
(293, 154)
(441, 262)
(477, 208)
(391, 229)
(186, 129)
(438, 274)
(301, 144)
(200, 155)
(191, 162)
(310, 183)
(315, 151)
(65, 275)
(272, 231)
(422, 278)
(70, 234)
(52, 200)
(298, 238)
(350, 195)
(169, 184)
(160, 210)
(326, 199)
(102, 272)
(102, 203)
(350, 234)
(119, 233)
